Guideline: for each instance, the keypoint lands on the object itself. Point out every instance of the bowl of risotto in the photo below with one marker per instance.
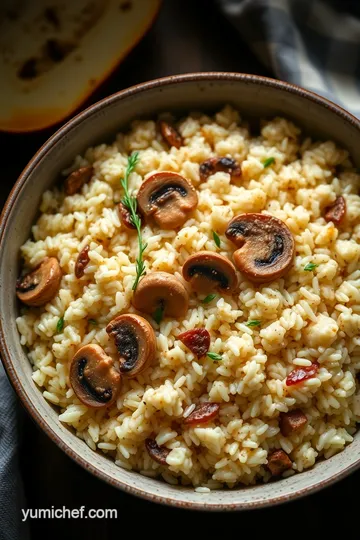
(180, 290)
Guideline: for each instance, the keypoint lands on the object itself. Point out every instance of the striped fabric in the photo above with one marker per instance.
(312, 43)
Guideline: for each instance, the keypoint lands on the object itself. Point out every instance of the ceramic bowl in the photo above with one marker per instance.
(255, 97)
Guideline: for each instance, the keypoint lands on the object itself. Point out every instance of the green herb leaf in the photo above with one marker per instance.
(209, 298)
(60, 324)
(130, 202)
(92, 321)
(158, 314)
(269, 161)
(214, 356)
(253, 323)
(310, 267)
(216, 239)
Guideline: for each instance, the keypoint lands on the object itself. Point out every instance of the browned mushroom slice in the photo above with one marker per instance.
(170, 134)
(168, 198)
(77, 179)
(93, 377)
(207, 270)
(156, 452)
(266, 246)
(160, 290)
(41, 285)
(135, 341)
(217, 164)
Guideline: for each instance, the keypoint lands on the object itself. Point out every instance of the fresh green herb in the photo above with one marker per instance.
(310, 267)
(209, 298)
(92, 321)
(214, 356)
(130, 202)
(60, 324)
(253, 323)
(269, 161)
(216, 239)
(159, 314)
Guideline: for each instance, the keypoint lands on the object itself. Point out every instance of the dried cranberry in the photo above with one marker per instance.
(203, 413)
(301, 374)
(336, 212)
(197, 340)
(81, 262)
(125, 216)
(156, 452)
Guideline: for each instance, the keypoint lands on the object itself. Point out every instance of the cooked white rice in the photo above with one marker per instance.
(305, 316)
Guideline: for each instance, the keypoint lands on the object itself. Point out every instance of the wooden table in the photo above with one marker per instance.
(189, 35)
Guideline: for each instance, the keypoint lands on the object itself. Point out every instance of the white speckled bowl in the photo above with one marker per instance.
(256, 97)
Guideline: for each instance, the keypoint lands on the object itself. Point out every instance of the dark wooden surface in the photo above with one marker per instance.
(189, 35)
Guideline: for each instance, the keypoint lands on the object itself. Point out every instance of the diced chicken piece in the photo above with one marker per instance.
(321, 333)
(279, 462)
(292, 421)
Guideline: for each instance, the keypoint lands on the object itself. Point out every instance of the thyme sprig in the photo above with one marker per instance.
(130, 202)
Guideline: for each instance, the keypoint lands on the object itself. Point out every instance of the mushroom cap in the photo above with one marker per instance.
(208, 270)
(135, 341)
(93, 377)
(168, 198)
(160, 289)
(40, 285)
(266, 246)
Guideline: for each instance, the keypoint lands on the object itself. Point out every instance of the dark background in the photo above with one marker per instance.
(188, 35)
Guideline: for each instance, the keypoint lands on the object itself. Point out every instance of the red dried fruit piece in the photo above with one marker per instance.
(300, 374)
(217, 164)
(170, 134)
(336, 211)
(203, 413)
(292, 421)
(278, 462)
(125, 216)
(81, 262)
(156, 452)
(197, 340)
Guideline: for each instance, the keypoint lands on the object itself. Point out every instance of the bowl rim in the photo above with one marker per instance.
(20, 389)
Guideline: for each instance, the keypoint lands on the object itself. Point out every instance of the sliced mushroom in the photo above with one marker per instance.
(93, 377)
(207, 270)
(170, 134)
(217, 164)
(156, 452)
(266, 246)
(77, 179)
(161, 290)
(168, 198)
(41, 285)
(135, 341)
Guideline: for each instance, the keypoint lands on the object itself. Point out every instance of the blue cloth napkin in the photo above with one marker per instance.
(12, 498)
(312, 43)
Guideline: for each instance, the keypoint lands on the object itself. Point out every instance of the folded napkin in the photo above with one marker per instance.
(12, 499)
(312, 43)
